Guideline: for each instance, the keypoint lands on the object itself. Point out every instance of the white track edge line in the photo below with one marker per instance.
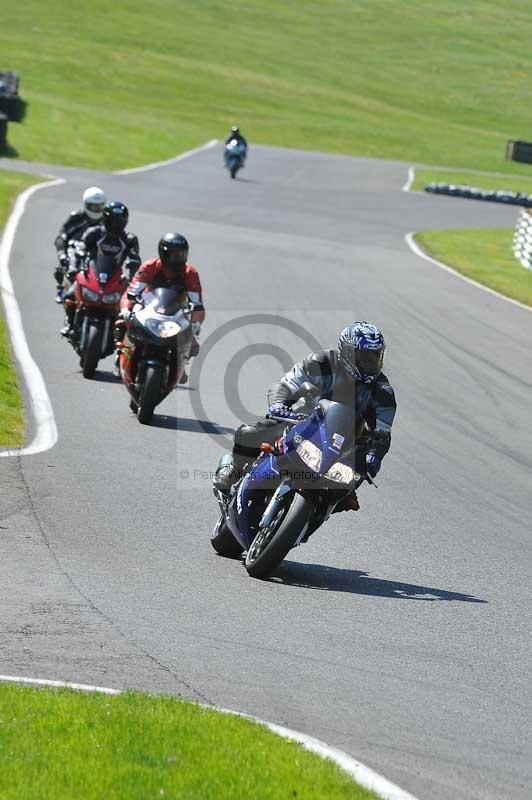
(46, 429)
(365, 776)
(410, 180)
(409, 239)
(168, 161)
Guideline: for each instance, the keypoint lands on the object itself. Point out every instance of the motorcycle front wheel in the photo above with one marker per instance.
(150, 395)
(223, 540)
(92, 352)
(270, 545)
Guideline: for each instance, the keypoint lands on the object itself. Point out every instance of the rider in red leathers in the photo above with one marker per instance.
(170, 269)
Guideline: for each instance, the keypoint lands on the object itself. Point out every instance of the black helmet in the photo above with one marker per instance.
(173, 252)
(115, 216)
(235, 130)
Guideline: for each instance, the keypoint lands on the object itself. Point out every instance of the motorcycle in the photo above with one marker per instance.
(234, 155)
(156, 347)
(292, 488)
(98, 289)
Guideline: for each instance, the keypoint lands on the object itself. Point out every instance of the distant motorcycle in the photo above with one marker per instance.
(98, 289)
(292, 488)
(155, 348)
(234, 156)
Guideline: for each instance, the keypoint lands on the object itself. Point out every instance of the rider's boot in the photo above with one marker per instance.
(70, 311)
(229, 471)
(349, 503)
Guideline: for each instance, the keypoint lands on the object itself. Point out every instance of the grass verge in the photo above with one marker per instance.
(60, 743)
(11, 405)
(480, 180)
(439, 83)
(485, 255)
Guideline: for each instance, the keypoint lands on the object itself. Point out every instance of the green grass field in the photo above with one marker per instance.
(440, 83)
(485, 255)
(59, 744)
(11, 406)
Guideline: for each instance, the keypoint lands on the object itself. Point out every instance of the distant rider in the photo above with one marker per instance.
(352, 372)
(108, 239)
(170, 269)
(73, 229)
(235, 135)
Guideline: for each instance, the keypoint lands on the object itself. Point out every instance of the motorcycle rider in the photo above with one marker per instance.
(73, 228)
(170, 269)
(107, 239)
(236, 135)
(352, 372)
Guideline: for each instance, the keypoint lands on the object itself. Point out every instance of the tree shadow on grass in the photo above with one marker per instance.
(7, 151)
(318, 576)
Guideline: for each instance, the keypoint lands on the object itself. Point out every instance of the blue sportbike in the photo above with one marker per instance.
(292, 488)
(234, 156)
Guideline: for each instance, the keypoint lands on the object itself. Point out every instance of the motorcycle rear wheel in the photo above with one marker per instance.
(269, 548)
(223, 540)
(92, 351)
(150, 395)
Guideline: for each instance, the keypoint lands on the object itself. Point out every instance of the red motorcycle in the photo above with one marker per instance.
(98, 289)
(156, 347)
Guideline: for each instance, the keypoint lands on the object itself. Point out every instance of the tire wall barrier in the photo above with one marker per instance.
(3, 131)
(519, 151)
(523, 239)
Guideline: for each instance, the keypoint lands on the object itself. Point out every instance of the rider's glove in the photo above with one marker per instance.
(373, 464)
(280, 410)
(124, 314)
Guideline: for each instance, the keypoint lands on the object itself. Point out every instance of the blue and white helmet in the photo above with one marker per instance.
(361, 347)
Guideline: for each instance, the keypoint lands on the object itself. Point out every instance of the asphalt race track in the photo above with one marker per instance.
(401, 633)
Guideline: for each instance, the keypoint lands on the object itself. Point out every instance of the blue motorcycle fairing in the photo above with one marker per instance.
(263, 475)
(331, 427)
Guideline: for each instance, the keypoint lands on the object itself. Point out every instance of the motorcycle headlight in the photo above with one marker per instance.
(341, 473)
(89, 295)
(163, 328)
(310, 454)
(112, 298)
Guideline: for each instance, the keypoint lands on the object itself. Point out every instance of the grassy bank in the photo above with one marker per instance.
(59, 743)
(485, 255)
(437, 83)
(11, 406)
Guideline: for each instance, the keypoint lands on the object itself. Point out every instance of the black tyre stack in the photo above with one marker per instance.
(519, 151)
(472, 193)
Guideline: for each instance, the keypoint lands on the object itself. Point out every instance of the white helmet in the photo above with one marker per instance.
(93, 202)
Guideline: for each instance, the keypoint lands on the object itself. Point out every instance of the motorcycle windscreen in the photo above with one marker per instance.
(166, 301)
(341, 423)
(104, 266)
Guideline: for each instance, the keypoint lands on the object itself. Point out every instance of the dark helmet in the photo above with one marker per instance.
(361, 347)
(173, 252)
(235, 130)
(115, 216)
